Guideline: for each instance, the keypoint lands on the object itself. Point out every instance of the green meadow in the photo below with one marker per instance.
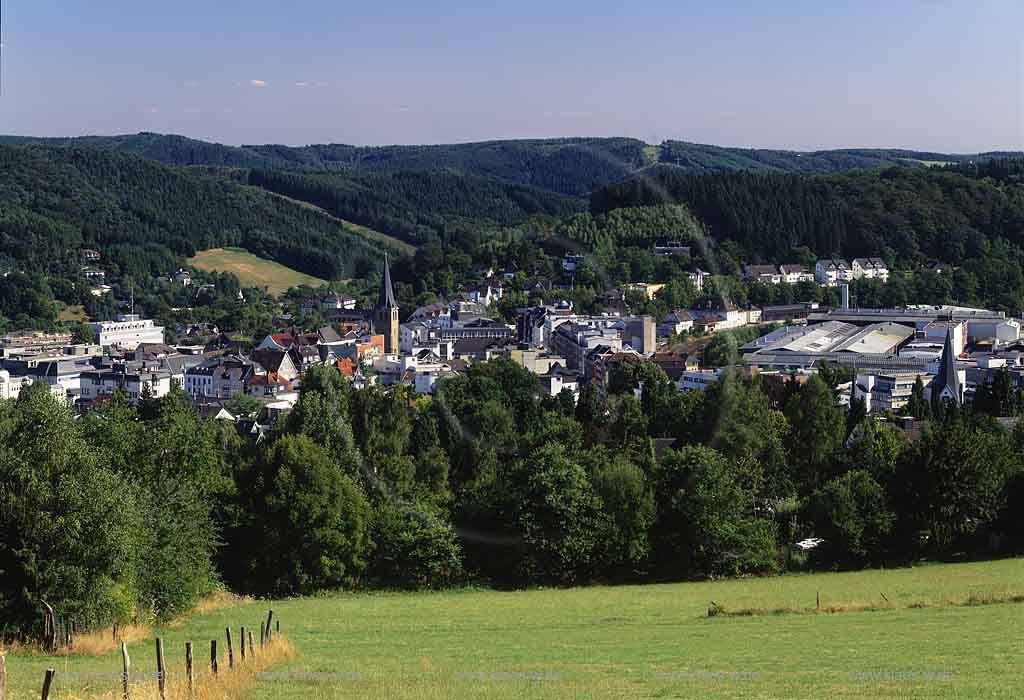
(933, 633)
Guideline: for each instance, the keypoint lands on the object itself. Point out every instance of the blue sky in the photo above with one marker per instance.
(930, 74)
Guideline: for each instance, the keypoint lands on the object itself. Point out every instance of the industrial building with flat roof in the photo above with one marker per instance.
(873, 346)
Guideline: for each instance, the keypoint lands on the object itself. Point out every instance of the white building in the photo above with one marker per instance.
(698, 277)
(697, 379)
(886, 391)
(832, 271)
(127, 332)
(10, 387)
(870, 268)
(795, 273)
(103, 382)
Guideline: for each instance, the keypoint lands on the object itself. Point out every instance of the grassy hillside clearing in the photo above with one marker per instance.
(252, 271)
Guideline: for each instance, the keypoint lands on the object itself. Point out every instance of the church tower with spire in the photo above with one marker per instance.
(946, 386)
(385, 314)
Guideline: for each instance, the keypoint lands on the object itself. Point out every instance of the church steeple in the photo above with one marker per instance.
(385, 314)
(946, 384)
(386, 298)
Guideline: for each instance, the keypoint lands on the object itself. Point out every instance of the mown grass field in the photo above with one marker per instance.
(652, 641)
(251, 270)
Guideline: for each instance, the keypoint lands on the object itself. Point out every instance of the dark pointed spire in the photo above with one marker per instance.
(947, 378)
(386, 300)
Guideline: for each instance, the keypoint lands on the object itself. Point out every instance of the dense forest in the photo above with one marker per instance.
(146, 216)
(487, 482)
(422, 206)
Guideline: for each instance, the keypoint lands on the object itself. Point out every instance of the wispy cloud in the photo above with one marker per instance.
(153, 110)
(258, 83)
(191, 83)
(302, 84)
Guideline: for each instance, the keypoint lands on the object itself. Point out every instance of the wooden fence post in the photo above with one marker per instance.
(126, 664)
(252, 648)
(189, 668)
(231, 649)
(3, 676)
(277, 627)
(270, 616)
(242, 645)
(47, 682)
(213, 656)
(263, 634)
(161, 669)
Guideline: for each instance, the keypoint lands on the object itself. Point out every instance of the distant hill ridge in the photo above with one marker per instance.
(570, 166)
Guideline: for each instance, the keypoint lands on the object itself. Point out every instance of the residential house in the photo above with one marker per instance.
(486, 292)
(335, 302)
(648, 289)
(558, 380)
(832, 271)
(716, 312)
(277, 341)
(766, 274)
(870, 268)
(794, 273)
(134, 381)
(276, 362)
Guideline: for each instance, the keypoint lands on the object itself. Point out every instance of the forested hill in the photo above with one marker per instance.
(567, 166)
(419, 206)
(907, 216)
(697, 159)
(146, 216)
(570, 166)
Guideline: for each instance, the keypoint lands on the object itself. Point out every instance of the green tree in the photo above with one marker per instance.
(951, 482)
(706, 523)
(722, 351)
(817, 427)
(917, 406)
(414, 547)
(68, 523)
(311, 526)
(629, 501)
(558, 515)
(851, 514)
